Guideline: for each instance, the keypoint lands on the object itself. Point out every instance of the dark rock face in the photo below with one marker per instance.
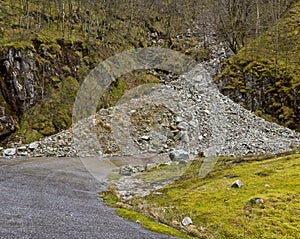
(7, 125)
(38, 81)
(18, 80)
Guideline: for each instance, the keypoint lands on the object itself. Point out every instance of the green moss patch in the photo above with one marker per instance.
(149, 223)
(221, 211)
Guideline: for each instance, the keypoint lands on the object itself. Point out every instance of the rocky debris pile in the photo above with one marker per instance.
(59, 145)
(190, 114)
(187, 114)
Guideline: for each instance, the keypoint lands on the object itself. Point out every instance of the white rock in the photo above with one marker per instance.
(33, 145)
(186, 221)
(23, 153)
(183, 126)
(259, 200)
(10, 151)
(22, 148)
(178, 119)
(237, 184)
(145, 137)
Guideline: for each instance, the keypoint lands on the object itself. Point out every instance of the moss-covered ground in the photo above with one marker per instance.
(221, 211)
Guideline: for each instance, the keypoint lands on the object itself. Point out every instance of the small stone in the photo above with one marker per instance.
(23, 153)
(178, 119)
(165, 123)
(183, 162)
(259, 200)
(178, 155)
(237, 184)
(10, 151)
(186, 221)
(183, 126)
(150, 166)
(62, 142)
(33, 145)
(145, 137)
(140, 168)
(22, 148)
(267, 186)
(185, 138)
(127, 170)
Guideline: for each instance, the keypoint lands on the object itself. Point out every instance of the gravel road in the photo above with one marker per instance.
(56, 198)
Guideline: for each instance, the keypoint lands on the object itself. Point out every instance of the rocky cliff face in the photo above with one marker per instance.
(260, 89)
(37, 71)
(19, 78)
(18, 93)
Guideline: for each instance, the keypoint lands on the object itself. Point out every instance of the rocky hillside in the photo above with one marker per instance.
(264, 75)
(187, 113)
(47, 48)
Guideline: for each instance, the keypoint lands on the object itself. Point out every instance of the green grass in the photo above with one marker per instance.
(149, 223)
(220, 211)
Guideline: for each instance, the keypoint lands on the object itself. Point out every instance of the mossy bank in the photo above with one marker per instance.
(264, 75)
(266, 206)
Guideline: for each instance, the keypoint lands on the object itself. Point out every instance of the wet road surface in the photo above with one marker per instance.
(56, 198)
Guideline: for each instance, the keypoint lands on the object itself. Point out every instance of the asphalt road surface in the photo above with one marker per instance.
(56, 198)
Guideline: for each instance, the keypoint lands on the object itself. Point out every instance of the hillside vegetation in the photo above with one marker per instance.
(264, 75)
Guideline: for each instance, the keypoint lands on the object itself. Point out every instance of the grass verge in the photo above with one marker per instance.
(220, 211)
